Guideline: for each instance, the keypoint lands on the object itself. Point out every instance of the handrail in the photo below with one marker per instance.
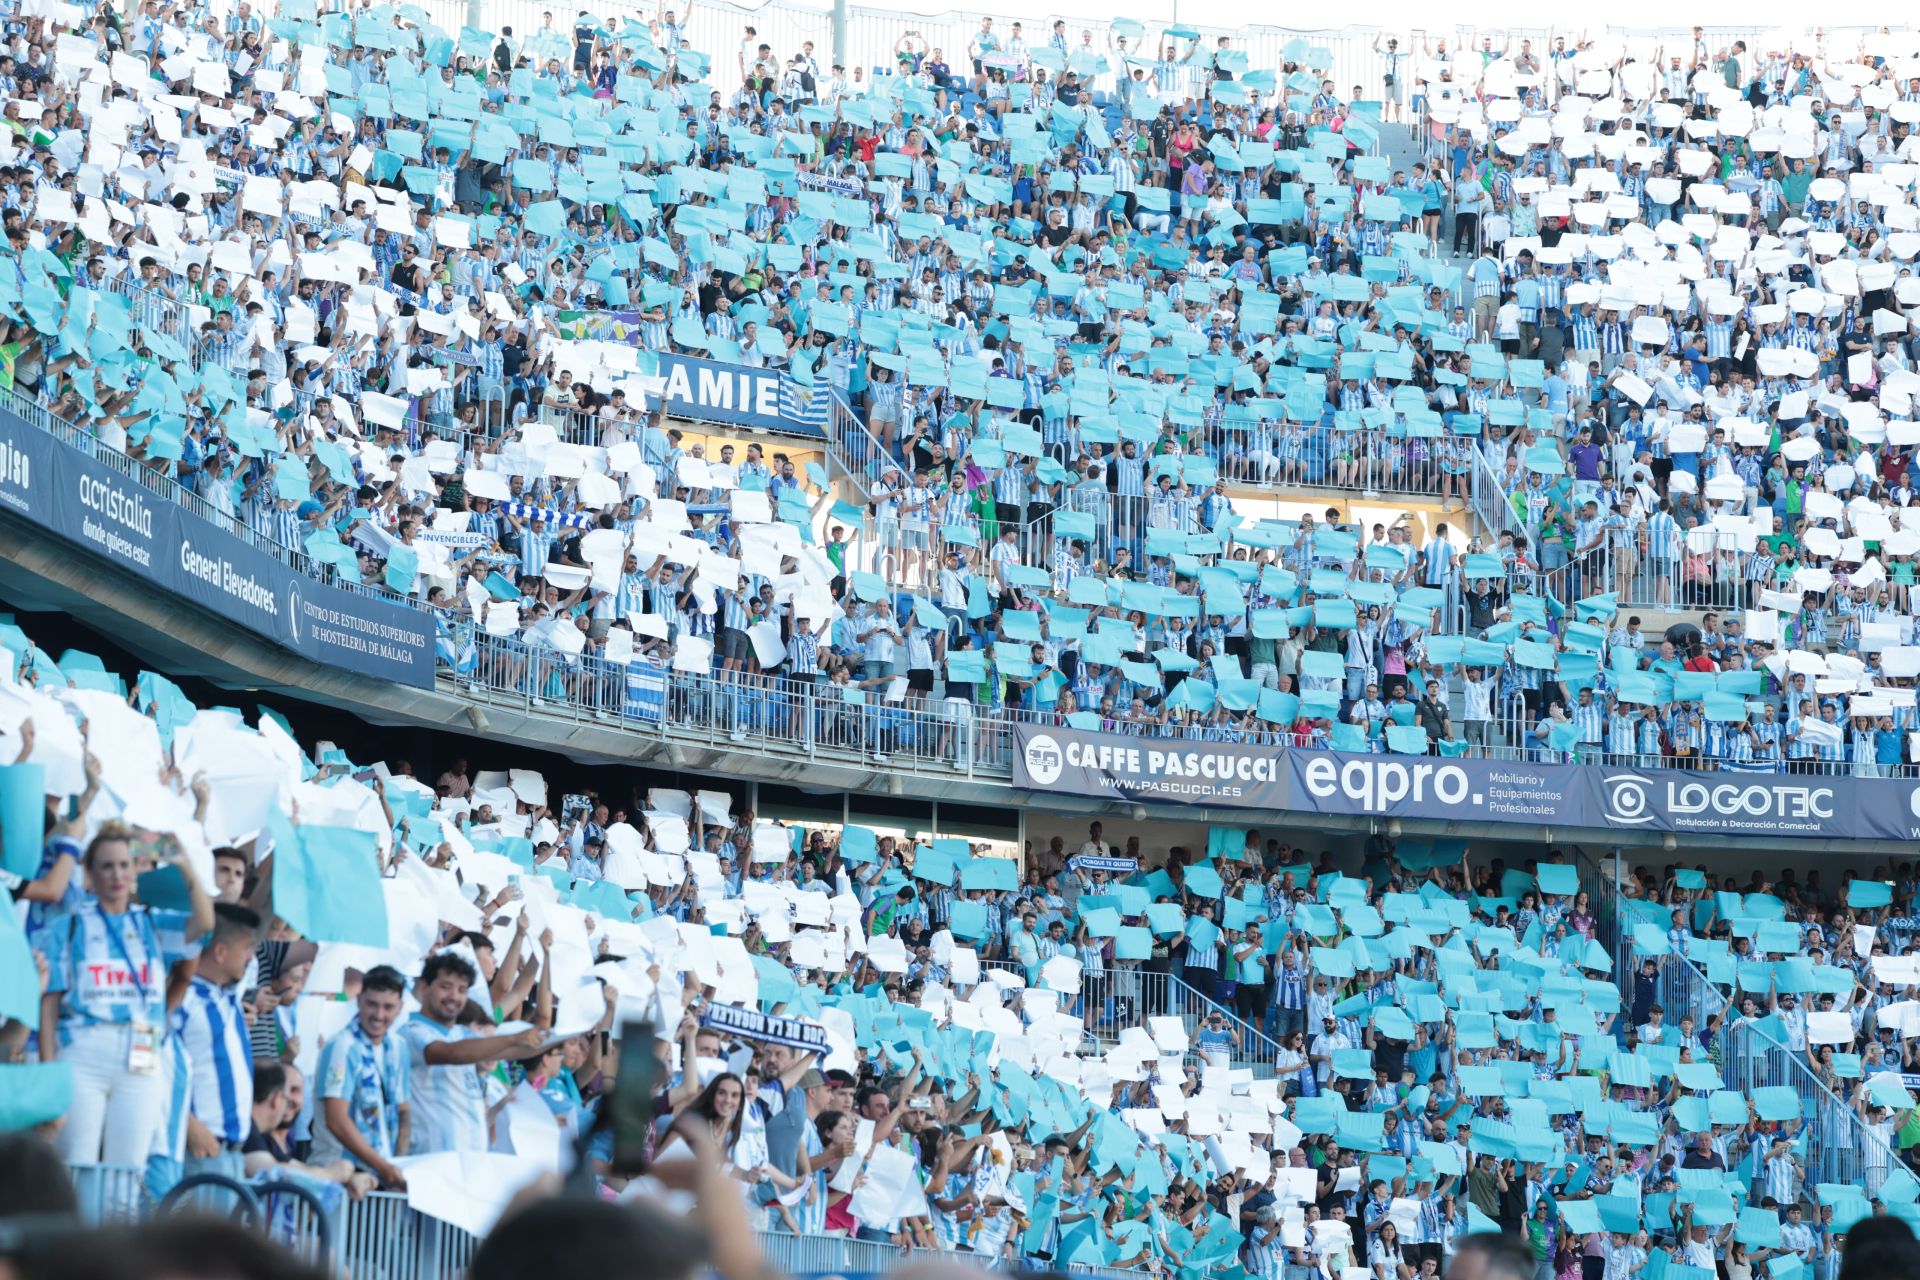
(1685, 989)
(863, 455)
(1606, 925)
(789, 719)
(1840, 1155)
(169, 315)
(1490, 510)
(384, 1235)
(246, 1207)
(1124, 996)
(1638, 580)
(1265, 1057)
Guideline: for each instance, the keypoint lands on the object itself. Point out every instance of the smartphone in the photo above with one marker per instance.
(629, 1111)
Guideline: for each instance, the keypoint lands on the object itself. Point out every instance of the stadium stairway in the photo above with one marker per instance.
(1400, 144)
(1253, 1050)
(1126, 999)
(1749, 1055)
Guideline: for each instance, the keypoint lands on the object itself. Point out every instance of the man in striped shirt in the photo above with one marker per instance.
(1589, 717)
(1664, 544)
(1622, 733)
(803, 653)
(212, 1027)
(536, 544)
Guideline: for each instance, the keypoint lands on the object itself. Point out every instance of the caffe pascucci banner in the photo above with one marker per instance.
(61, 490)
(1232, 775)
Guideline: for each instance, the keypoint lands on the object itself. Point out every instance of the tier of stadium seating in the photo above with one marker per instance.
(1120, 385)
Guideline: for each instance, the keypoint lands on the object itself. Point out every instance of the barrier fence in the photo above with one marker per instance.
(382, 1237)
(151, 309)
(1126, 994)
(1703, 568)
(110, 1193)
(791, 719)
(387, 1239)
(845, 1257)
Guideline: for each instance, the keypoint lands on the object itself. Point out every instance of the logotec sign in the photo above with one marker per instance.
(1430, 787)
(60, 489)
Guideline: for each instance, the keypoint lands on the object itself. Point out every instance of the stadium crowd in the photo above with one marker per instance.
(395, 299)
(235, 951)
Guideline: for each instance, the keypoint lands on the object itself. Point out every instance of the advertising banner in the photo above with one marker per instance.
(1828, 806)
(62, 490)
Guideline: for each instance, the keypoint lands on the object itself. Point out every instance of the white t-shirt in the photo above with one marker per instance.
(1324, 1046)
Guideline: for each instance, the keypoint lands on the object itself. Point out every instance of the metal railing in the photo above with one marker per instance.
(1252, 1046)
(1125, 995)
(1268, 457)
(863, 455)
(785, 718)
(1600, 905)
(1488, 498)
(843, 1256)
(1847, 1150)
(769, 715)
(110, 1192)
(385, 1238)
(1703, 568)
(151, 308)
(1283, 456)
(584, 427)
(1099, 524)
(1747, 1057)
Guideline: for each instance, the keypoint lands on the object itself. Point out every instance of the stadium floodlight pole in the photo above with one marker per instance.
(840, 32)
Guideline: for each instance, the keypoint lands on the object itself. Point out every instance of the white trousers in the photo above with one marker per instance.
(115, 1111)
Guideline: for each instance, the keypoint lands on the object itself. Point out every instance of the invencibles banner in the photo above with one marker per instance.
(1233, 775)
(59, 488)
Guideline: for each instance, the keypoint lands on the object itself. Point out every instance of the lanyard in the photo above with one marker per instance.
(117, 938)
